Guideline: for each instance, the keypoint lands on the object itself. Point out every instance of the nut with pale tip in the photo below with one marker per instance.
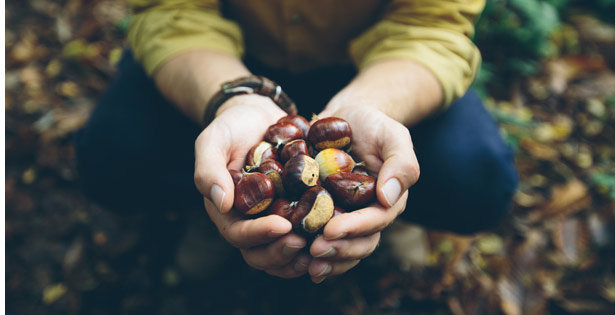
(330, 132)
(300, 173)
(293, 148)
(260, 153)
(313, 210)
(350, 190)
(273, 169)
(281, 133)
(332, 161)
(254, 193)
(298, 121)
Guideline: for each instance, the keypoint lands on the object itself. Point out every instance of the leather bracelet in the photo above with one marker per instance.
(248, 85)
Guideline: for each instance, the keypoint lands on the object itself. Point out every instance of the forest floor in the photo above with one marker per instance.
(555, 253)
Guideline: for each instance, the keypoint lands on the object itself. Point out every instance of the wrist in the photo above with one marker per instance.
(255, 101)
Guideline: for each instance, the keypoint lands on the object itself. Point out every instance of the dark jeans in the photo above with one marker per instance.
(136, 153)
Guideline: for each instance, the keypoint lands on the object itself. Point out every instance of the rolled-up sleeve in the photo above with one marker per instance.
(160, 30)
(434, 33)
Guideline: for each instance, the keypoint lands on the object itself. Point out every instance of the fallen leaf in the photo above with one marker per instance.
(53, 292)
(565, 199)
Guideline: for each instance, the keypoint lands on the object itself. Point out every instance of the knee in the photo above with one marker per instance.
(487, 187)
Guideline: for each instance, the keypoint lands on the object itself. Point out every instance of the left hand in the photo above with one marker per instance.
(386, 147)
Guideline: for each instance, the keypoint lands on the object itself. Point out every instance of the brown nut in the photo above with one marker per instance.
(283, 208)
(338, 211)
(236, 175)
(273, 169)
(298, 121)
(330, 132)
(333, 161)
(313, 210)
(254, 193)
(293, 148)
(350, 190)
(260, 153)
(281, 133)
(300, 173)
(360, 170)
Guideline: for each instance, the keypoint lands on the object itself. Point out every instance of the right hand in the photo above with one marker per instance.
(266, 243)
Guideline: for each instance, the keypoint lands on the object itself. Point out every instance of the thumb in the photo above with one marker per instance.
(211, 177)
(400, 169)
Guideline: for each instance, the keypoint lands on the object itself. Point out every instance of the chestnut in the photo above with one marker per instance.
(298, 121)
(333, 161)
(281, 133)
(273, 169)
(254, 193)
(261, 152)
(313, 210)
(236, 175)
(300, 173)
(283, 208)
(330, 132)
(351, 190)
(293, 148)
(338, 211)
(360, 170)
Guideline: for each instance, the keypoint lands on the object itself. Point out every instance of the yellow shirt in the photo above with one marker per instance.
(303, 35)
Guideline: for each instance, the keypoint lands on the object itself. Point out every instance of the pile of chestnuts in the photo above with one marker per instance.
(303, 173)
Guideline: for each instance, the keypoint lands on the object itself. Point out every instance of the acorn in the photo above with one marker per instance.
(254, 193)
(259, 153)
(283, 208)
(273, 169)
(313, 210)
(282, 133)
(333, 161)
(300, 173)
(298, 121)
(293, 148)
(351, 190)
(330, 132)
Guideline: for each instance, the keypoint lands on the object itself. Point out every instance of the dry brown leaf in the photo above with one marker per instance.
(539, 151)
(571, 237)
(565, 200)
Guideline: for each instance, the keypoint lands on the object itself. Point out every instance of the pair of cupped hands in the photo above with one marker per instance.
(268, 243)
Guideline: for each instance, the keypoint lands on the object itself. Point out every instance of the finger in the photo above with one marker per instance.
(363, 222)
(400, 169)
(210, 171)
(344, 249)
(246, 233)
(320, 269)
(276, 254)
(296, 268)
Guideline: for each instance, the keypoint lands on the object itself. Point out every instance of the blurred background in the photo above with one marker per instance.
(548, 77)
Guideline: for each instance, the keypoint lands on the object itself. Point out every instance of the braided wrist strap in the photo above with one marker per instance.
(248, 85)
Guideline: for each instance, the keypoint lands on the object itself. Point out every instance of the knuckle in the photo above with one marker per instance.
(249, 259)
(199, 180)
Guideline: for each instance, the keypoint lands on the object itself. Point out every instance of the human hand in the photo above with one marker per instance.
(266, 243)
(386, 147)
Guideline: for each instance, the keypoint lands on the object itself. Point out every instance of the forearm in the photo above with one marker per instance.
(402, 89)
(190, 79)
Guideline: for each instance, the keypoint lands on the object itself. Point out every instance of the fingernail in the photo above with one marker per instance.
(391, 191)
(277, 233)
(217, 196)
(337, 237)
(325, 271)
(300, 266)
(318, 280)
(328, 253)
(289, 250)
